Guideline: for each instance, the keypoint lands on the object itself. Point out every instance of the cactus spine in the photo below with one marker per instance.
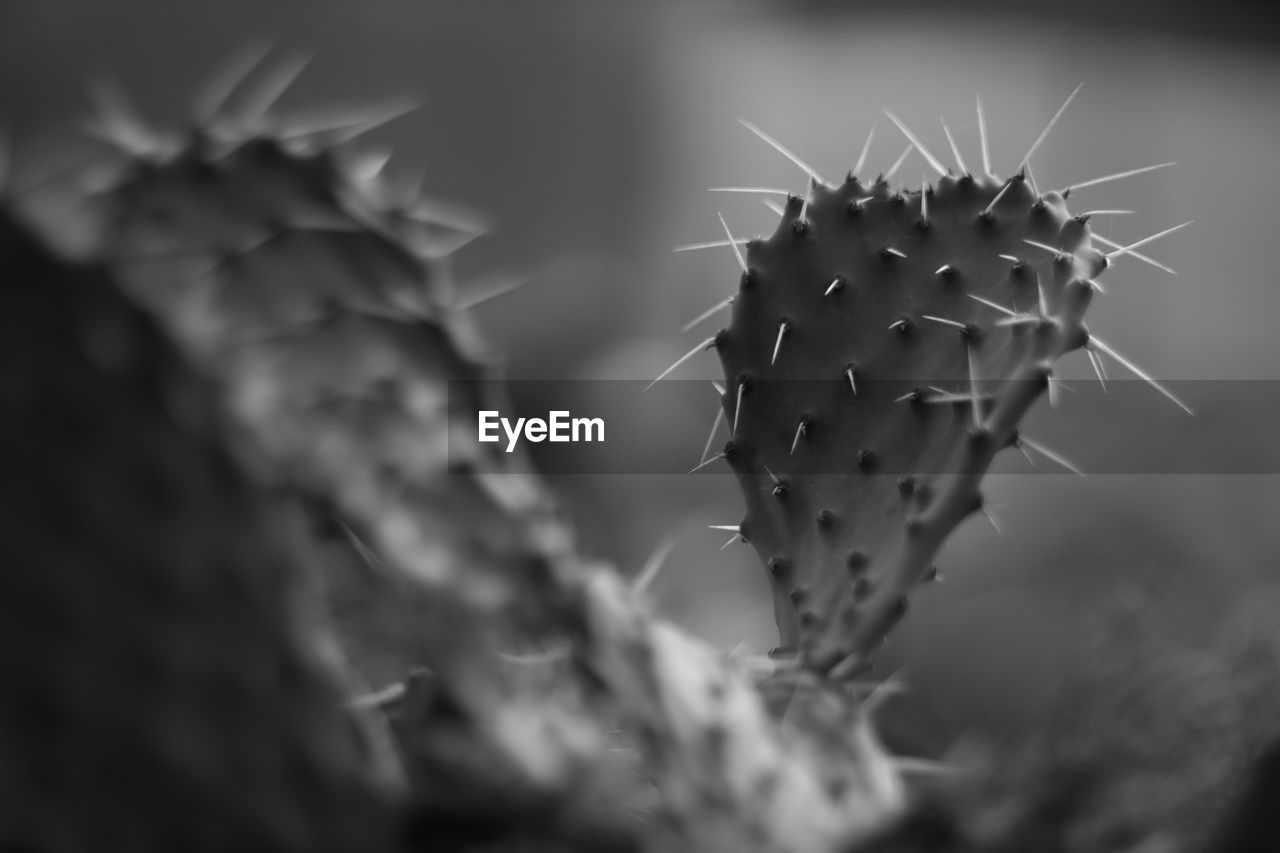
(286, 270)
(883, 348)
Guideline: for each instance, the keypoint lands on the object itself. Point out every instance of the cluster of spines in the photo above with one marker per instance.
(287, 264)
(842, 299)
(919, 496)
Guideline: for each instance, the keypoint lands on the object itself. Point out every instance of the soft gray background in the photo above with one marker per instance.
(588, 131)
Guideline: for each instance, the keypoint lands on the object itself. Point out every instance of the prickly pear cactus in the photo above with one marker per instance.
(869, 382)
(285, 265)
(164, 688)
(288, 271)
(883, 348)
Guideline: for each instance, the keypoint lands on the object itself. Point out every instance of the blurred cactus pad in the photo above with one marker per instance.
(260, 591)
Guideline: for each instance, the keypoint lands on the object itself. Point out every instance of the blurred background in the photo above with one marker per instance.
(588, 132)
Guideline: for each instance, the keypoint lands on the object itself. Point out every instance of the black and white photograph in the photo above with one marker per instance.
(591, 426)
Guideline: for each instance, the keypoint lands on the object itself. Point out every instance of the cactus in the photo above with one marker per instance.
(165, 682)
(286, 270)
(883, 348)
(286, 266)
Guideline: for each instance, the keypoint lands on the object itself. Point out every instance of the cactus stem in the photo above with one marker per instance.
(919, 146)
(682, 359)
(783, 150)
(955, 149)
(866, 148)
(1116, 176)
(897, 164)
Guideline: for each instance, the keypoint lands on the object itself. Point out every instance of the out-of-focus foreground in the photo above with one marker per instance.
(587, 135)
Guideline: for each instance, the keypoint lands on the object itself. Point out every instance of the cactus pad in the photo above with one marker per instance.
(159, 649)
(283, 262)
(861, 333)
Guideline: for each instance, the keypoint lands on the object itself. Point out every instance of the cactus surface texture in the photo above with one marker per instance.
(283, 601)
(320, 298)
(870, 381)
(322, 309)
(883, 348)
(164, 688)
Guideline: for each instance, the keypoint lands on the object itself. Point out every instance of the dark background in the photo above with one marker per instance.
(587, 132)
